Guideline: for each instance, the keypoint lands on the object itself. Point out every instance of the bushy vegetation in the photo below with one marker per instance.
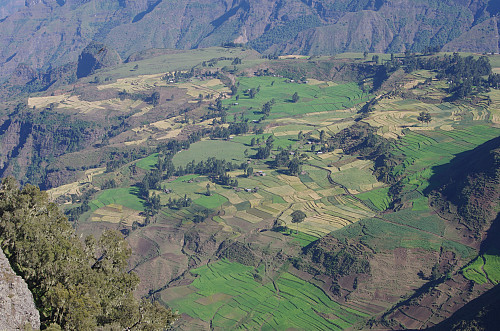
(80, 286)
(284, 32)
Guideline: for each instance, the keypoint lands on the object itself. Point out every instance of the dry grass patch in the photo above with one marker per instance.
(42, 102)
(248, 217)
(212, 86)
(68, 189)
(115, 213)
(143, 111)
(231, 196)
(136, 84)
(135, 142)
(170, 134)
(74, 103)
(283, 191)
(213, 299)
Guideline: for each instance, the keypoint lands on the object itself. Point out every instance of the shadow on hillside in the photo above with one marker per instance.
(463, 164)
(492, 241)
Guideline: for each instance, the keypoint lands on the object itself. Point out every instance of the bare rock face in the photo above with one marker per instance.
(17, 308)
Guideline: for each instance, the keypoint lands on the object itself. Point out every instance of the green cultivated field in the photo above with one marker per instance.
(379, 198)
(355, 178)
(225, 150)
(183, 60)
(148, 163)
(382, 236)
(313, 98)
(484, 268)
(211, 202)
(424, 151)
(121, 196)
(228, 296)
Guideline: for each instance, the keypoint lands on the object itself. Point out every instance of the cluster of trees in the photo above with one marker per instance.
(263, 152)
(116, 157)
(107, 184)
(76, 285)
(212, 168)
(266, 108)
(74, 213)
(293, 164)
(466, 75)
(424, 117)
(179, 203)
(152, 205)
(234, 128)
(253, 92)
(177, 76)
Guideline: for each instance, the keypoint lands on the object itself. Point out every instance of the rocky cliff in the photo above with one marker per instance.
(17, 308)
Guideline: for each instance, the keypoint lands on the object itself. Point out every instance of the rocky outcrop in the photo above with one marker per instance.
(17, 308)
(94, 57)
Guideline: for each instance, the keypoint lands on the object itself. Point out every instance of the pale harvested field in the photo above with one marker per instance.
(73, 102)
(285, 190)
(170, 134)
(75, 187)
(42, 102)
(205, 87)
(136, 84)
(312, 81)
(143, 111)
(114, 213)
(231, 196)
(68, 189)
(135, 142)
(248, 217)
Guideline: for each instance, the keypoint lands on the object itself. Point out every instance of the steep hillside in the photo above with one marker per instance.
(57, 31)
(466, 193)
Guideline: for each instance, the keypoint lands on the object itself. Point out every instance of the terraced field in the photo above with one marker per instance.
(485, 268)
(228, 296)
(337, 192)
(421, 150)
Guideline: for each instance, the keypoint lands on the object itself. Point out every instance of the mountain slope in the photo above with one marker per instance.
(47, 33)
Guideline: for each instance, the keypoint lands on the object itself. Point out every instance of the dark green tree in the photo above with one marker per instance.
(294, 167)
(297, 217)
(249, 171)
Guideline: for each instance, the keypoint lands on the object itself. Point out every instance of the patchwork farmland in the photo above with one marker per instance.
(181, 228)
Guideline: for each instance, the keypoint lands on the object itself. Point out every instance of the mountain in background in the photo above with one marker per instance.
(48, 33)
